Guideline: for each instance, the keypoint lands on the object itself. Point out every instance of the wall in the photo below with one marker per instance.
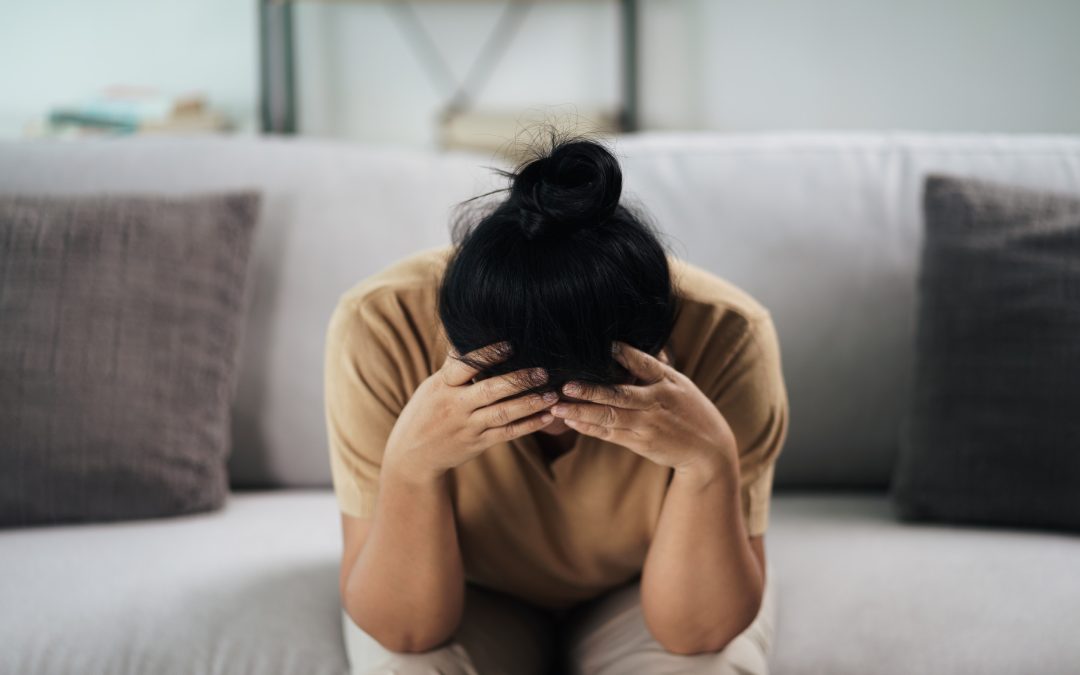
(1002, 65)
(56, 51)
(957, 65)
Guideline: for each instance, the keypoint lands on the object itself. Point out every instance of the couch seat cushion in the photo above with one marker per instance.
(863, 593)
(248, 589)
(253, 589)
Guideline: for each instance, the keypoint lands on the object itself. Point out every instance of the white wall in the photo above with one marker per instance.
(1002, 65)
(56, 51)
(940, 65)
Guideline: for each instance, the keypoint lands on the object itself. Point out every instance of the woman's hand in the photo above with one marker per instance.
(450, 419)
(665, 418)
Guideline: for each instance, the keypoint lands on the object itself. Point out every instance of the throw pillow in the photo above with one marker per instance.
(992, 435)
(120, 320)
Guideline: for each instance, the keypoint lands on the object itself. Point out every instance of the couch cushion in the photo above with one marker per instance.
(120, 320)
(861, 592)
(993, 432)
(253, 588)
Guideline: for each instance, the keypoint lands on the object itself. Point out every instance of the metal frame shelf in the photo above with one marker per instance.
(277, 64)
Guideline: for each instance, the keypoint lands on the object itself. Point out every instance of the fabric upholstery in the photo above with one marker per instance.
(823, 227)
(993, 432)
(863, 593)
(120, 319)
(252, 588)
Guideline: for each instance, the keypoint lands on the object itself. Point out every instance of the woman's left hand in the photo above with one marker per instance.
(665, 418)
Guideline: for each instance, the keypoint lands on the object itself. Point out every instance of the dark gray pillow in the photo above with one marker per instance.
(120, 320)
(992, 435)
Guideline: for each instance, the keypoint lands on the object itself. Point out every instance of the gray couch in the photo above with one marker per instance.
(824, 228)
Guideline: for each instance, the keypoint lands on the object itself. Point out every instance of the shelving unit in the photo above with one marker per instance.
(277, 67)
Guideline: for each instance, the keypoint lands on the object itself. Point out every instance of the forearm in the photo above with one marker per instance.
(407, 586)
(701, 585)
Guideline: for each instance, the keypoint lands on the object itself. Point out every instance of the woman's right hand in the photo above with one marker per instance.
(450, 419)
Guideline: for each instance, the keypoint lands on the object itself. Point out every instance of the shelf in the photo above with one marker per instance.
(277, 56)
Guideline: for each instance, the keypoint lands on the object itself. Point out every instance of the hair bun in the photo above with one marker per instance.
(577, 185)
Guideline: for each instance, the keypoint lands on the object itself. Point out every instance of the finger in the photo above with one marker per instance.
(643, 365)
(456, 372)
(517, 428)
(504, 413)
(600, 415)
(618, 436)
(486, 392)
(630, 396)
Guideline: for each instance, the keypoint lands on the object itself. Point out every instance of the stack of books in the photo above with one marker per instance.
(122, 110)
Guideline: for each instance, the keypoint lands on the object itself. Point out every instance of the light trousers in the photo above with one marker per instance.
(500, 634)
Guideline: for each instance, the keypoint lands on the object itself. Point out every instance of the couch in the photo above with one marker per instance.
(823, 227)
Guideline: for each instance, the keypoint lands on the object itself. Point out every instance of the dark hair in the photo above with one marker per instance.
(558, 269)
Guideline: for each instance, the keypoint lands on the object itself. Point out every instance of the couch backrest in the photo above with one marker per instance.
(823, 228)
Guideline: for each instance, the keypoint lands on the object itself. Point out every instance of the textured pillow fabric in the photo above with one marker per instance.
(120, 319)
(992, 435)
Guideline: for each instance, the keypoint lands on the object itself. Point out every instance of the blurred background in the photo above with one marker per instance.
(924, 286)
(466, 73)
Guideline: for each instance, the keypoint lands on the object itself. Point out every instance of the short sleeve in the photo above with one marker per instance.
(750, 392)
(363, 396)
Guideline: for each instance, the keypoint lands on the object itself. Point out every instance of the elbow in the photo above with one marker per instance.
(705, 641)
(410, 643)
(692, 647)
(414, 642)
(401, 640)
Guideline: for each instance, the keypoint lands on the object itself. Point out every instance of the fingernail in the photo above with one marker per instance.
(571, 389)
(615, 347)
(540, 374)
(550, 397)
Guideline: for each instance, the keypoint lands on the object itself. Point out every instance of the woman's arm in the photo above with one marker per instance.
(406, 585)
(703, 578)
(702, 583)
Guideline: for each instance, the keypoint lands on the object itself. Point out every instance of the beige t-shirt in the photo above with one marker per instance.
(561, 533)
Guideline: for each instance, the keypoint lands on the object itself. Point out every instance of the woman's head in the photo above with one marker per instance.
(559, 267)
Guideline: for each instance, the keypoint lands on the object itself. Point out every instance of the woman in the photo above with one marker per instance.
(495, 520)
